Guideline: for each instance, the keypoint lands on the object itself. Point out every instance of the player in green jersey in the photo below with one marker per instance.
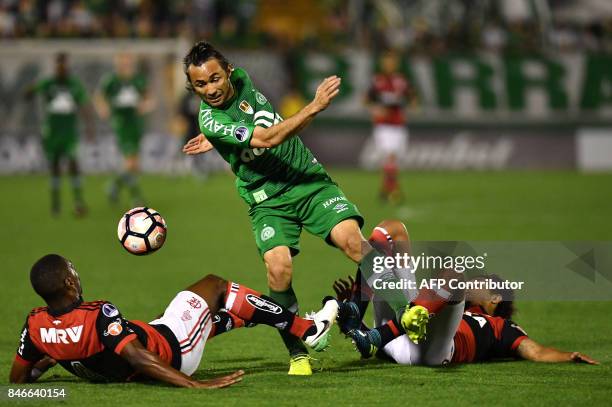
(63, 95)
(284, 185)
(123, 97)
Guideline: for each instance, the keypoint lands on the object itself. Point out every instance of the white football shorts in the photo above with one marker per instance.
(188, 317)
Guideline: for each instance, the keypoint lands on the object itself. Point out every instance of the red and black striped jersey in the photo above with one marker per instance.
(481, 337)
(87, 338)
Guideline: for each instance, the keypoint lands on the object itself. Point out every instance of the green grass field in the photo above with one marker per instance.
(209, 232)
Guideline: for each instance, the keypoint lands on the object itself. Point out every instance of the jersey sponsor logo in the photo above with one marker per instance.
(241, 133)
(263, 305)
(66, 336)
(114, 328)
(261, 99)
(207, 122)
(194, 303)
(267, 233)
(333, 200)
(246, 107)
(110, 310)
(62, 103)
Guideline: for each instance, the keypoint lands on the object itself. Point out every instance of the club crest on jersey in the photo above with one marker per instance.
(263, 305)
(114, 328)
(109, 310)
(261, 99)
(241, 133)
(245, 107)
(194, 303)
(267, 233)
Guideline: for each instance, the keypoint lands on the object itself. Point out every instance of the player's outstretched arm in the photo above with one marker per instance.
(531, 350)
(149, 364)
(275, 135)
(21, 373)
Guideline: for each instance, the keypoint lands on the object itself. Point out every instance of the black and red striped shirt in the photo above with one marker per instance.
(481, 337)
(87, 338)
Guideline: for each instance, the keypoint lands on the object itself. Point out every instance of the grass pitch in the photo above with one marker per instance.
(209, 232)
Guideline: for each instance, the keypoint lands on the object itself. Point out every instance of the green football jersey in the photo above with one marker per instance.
(261, 172)
(124, 95)
(61, 99)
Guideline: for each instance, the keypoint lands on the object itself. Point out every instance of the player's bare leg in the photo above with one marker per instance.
(253, 307)
(279, 266)
(80, 209)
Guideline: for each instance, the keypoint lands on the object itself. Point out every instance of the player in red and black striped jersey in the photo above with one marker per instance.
(476, 329)
(94, 341)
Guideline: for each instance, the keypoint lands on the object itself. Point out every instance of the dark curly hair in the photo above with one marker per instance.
(197, 55)
(505, 308)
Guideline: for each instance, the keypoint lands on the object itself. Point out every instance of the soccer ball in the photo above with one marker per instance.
(142, 231)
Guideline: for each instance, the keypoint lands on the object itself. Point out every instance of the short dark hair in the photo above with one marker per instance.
(200, 53)
(47, 276)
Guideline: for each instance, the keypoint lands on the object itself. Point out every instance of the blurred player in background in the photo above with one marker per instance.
(63, 96)
(466, 326)
(123, 96)
(285, 186)
(94, 341)
(389, 95)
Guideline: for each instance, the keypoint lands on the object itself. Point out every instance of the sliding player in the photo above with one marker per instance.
(285, 186)
(94, 341)
(63, 95)
(475, 330)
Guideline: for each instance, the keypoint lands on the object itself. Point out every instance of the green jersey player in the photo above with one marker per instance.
(62, 95)
(286, 188)
(124, 98)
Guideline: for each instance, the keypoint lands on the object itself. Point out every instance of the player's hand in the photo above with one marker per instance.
(344, 288)
(220, 382)
(327, 90)
(40, 367)
(197, 145)
(578, 357)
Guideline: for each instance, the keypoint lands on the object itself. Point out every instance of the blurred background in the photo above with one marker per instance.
(494, 84)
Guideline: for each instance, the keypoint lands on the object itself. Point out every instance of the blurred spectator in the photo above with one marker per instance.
(429, 27)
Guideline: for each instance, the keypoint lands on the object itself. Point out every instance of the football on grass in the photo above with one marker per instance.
(142, 231)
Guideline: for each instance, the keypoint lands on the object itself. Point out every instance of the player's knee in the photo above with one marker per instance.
(215, 281)
(279, 267)
(354, 246)
(396, 229)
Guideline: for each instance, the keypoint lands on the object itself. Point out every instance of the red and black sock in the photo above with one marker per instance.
(252, 306)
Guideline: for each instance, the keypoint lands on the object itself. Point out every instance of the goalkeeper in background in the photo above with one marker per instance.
(123, 96)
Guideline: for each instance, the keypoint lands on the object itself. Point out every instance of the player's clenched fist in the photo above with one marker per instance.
(327, 90)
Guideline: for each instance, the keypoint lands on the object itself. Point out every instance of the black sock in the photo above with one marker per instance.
(387, 332)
